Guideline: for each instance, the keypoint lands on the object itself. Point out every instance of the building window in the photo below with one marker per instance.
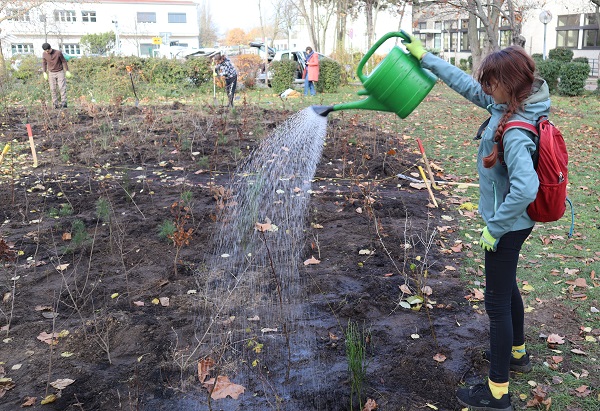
(72, 49)
(17, 15)
(65, 15)
(422, 25)
(464, 41)
(148, 49)
(177, 18)
(146, 17)
(591, 32)
(88, 16)
(22, 49)
(567, 38)
(569, 20)
(437, 41)
(505, 38)
(437, 25)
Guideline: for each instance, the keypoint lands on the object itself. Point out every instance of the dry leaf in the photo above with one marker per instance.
(49, 399)
(439, 357)
(370, 405)
(164, 301)
(223, 388)
(204, 367)
(312, 261)
(62, 267)
(29, 401)
(62, 383)
(51, 339)
(405, 289)
(66, 237)
(555, 339)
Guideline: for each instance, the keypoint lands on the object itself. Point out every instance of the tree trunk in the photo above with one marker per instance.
(476, 51)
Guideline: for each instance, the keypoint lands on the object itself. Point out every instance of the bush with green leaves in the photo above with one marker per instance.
(98, 43)
(28, 66)
(572, 79)
(537, 57)
(549, 70)
(283, 75)
(561, 54)
(330, 74)
(584, 60)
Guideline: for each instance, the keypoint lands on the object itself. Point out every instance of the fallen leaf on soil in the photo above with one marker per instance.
(582, 391)
(405, 289)
(5, 385)
(66, 354)
(223, 388)
(155, 301)
(51, 339)
(579, 282)
(49, 399)
(268, 330)
(433, 407)
(427, 290)
(29, 401)
(555, 339)
(204, 366)
(138, 303)
(255, 318)
(415, 336)
(578, 351)
(62, 383)
(370, 405)
(312, 261)
(450, 268)
(439, 357)
(66, 237)
(164, 301)
(62, 267)
(114, 295)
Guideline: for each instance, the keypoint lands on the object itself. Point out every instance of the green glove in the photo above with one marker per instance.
(487, 242)
(415, 47)
(68, 74)
(45, 76)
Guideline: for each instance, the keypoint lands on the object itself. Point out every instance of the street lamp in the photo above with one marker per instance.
(545, 17)
(117, 37)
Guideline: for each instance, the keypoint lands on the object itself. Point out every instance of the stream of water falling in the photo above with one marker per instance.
(253, 297)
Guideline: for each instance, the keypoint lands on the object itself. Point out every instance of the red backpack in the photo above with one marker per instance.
(550, 161)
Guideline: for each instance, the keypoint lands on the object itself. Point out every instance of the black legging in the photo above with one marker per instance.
(230, 86)
(503, 302)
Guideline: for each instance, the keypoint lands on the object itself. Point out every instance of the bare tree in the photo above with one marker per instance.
(207, 35)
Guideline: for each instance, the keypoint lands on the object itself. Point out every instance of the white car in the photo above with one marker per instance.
(283, 55)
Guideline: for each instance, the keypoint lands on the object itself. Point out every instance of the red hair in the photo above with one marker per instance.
(513, 69)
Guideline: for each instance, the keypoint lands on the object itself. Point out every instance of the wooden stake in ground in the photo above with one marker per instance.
(32, 144)
(4, 151)
(427, 166)
(428, 186)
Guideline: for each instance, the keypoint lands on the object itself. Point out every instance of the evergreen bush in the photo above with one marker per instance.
(581, 60)
(549, 70)
(330, 73)
(28, 66)
(572, 79)
(283, 75)
(537, 57)
(561, 54)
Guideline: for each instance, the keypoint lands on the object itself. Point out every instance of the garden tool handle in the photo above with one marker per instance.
(359, 69)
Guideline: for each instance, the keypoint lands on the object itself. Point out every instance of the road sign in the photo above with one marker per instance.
(156, 40)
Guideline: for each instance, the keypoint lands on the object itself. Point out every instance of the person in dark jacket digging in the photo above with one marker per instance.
(505, 84)
(225, 68)
(56, 71)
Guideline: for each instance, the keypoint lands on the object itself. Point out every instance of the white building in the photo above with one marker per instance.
(142, 27)
(569, 23)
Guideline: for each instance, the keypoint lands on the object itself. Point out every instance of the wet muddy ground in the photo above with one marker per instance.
(93, 294)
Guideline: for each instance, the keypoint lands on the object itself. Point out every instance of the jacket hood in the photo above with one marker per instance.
(538, 102)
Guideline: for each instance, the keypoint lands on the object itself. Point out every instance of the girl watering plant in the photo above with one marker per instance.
(505, 85)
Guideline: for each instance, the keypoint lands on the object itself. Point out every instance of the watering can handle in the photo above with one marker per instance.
(359, 69)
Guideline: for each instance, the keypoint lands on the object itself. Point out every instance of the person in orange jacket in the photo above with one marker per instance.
(311, 72)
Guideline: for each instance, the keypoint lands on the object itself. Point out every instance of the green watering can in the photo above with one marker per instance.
(398, 84)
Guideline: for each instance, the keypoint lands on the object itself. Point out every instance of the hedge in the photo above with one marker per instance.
(330, 74)
(561, 54)
(283, 75)
(572, 78)
(549, 70)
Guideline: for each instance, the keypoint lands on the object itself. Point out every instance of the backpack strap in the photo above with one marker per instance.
(526, 126)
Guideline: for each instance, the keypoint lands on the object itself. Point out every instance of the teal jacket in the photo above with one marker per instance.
(505, 192)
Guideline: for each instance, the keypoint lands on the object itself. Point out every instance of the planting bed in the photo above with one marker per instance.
(85, 261)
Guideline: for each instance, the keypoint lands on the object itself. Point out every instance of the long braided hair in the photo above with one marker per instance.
(513, 70)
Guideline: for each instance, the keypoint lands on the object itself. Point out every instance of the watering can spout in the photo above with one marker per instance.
(322, 110)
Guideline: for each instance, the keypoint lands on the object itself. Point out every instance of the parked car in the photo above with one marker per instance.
(297, 55)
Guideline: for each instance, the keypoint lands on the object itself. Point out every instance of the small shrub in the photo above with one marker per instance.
(549, 70)
(29, 66)
(464, 66)
(166, 230)
(584, 60)
(65, 210)
(199, 70)
(330, 73)
(103, 209)
(572, 79)
(79, 234)
(598, 86)
(561, 54)
(247, 66)
(283, 75)
(537, 57)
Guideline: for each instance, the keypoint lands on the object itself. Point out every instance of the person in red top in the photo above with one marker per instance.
(311, 73)
(56, 70)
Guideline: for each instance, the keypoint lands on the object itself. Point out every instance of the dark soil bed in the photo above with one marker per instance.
(82, 268)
